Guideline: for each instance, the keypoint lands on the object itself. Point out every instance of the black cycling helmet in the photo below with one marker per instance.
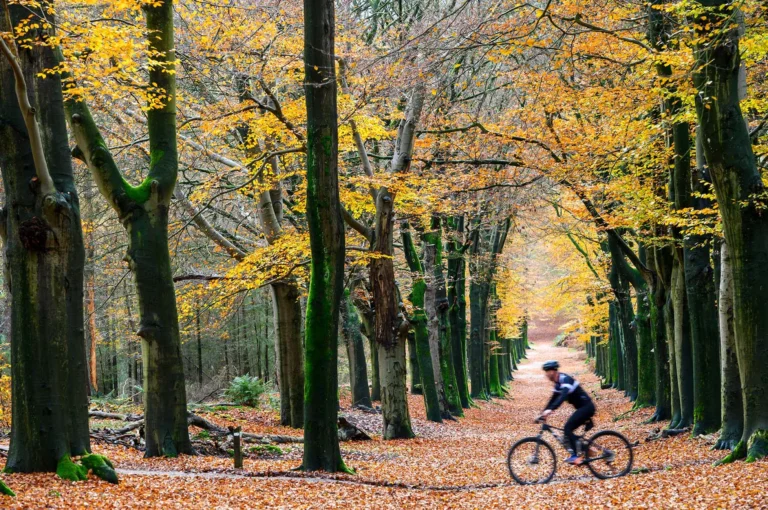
(550, 365)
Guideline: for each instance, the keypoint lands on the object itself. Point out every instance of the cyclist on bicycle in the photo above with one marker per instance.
(568, 389)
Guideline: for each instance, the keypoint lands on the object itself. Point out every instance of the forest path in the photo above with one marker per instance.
(454, 464)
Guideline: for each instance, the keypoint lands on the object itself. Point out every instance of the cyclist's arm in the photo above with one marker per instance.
(558, 396)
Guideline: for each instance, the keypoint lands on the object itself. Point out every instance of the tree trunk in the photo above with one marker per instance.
(199, 349)
(729, 154)
(434, 238)
(286, 311)
(326, 235)
(457, 313)
(165, 402)
(44, 270)
(702, 312)
(662, 261)
(646, 373)
(413, 363)
(478, 306)
(390, 330)
(428, 363)
(732, 408)
(143, 210)
(683, 347)
(358, 375)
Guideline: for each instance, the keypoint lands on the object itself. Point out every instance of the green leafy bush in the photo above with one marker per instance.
(245, 390)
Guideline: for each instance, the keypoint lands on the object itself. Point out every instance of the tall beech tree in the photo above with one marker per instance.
(436, 302)
(353, 338)
(44, 256)
(728, 149)
(457, 305)
(143, 211)
(389, 324)
(429, 374)
(487, 243)
(326, 236)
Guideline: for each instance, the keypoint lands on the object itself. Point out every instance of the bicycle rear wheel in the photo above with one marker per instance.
(609, 455)
(531, 460)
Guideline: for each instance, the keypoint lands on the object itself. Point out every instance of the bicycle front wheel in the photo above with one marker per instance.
(609, 455)
(531, 460)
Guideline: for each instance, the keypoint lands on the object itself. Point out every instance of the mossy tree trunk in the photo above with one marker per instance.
(44, 261)
(326, 236)
(662, 261)
(391, 330)
(353, 337)
(437, 311)
(429, 374)
(413, 363)
(683, 347)
(484, 246)
(457, 311)
(731, 161)
(699, 287)
(143, 211)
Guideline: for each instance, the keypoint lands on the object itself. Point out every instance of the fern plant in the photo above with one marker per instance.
(245, 390)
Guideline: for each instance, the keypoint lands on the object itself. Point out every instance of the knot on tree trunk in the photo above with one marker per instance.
(33, 234)
(148, 330)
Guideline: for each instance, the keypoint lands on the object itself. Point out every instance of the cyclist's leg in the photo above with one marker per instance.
(578, 418)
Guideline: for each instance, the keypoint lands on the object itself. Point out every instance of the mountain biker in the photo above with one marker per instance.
(568, 389)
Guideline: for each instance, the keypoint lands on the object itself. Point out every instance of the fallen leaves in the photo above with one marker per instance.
(454, 464)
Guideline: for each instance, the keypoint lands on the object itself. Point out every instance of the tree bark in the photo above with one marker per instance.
(428, 363)
(326, 235)
(44, 259)
(433, 305)
(390, 330)
(286, 311)
(662, 261)
(358, 374)
(683, 347)
(732, 408)
(457, 313)
(143, 211)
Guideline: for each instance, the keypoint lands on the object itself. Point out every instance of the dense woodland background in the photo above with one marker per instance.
(378, 196)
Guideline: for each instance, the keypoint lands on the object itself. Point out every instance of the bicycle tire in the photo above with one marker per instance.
(592, 465)
(547, 448)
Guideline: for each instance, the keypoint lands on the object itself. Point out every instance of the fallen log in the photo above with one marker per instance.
(347, 431)
(199, 421)
(113, 416)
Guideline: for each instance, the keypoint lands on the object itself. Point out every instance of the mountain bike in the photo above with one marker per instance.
(532, 460)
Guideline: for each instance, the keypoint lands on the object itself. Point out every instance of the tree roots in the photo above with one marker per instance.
(98, 464)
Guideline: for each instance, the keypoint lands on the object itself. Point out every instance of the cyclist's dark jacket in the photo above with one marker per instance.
(568, 388)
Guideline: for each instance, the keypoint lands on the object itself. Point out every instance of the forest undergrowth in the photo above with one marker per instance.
(457, 464)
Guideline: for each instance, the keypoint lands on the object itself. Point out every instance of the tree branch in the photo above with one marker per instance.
(357, 225)
(28, 112)
(208, 229)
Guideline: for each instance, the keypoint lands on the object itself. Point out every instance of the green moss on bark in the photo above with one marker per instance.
(101, 466)
(757, 447)
(4, 489)
(68, 470)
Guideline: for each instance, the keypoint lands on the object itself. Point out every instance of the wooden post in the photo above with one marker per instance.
(236, 446)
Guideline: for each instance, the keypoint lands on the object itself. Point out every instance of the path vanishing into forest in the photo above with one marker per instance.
(456, 464)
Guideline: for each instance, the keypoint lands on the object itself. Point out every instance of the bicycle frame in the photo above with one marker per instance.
(561, 439)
